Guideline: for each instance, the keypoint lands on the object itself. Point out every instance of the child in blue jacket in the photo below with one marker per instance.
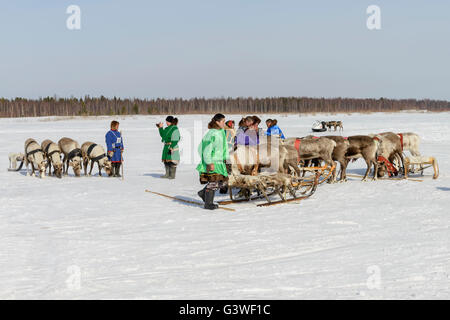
(114, 145)
(273, 129)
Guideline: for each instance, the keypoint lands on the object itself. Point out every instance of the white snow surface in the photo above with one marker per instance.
(104, 238)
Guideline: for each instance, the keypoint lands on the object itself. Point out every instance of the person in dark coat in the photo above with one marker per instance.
(114, 145)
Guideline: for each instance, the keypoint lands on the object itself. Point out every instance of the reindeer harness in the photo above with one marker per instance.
(297, 147)
(401, 139)
(389, 166)
(31, 152)
(75, 152)
(89, 150)
(51, 153)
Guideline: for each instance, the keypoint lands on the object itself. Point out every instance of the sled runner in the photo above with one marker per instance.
(385, 178)
(267, 185)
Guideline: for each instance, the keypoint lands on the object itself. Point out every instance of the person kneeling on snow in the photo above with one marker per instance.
(114, 145)
(212, 168)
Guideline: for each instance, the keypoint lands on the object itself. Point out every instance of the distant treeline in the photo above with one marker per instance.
(87, 106)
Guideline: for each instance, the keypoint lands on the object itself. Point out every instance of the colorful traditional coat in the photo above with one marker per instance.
(170, 136)
(214, 149)
(114, 143)
(275, 131)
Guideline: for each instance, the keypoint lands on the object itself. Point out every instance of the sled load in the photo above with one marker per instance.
(279, 168)
(288, 188)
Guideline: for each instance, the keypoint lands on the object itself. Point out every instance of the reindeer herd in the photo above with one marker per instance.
(383, 152)
(334, 124)
(288, 159)
(60, 156)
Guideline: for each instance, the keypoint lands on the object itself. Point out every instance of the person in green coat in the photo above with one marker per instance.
(213, 153)
(170, 136)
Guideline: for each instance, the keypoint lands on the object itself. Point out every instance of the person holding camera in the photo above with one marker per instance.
(170, 136)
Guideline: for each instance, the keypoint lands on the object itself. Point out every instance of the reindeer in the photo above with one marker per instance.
(13, 158)
(363, 147)
(390, 151)
(95, 153)
(72, 155)
(283, 156)
(335, 125)
(410, 142)
(248, 159)
(338, 155)
(300, 149)
(35, 155)
(330, 124)
(53, 156)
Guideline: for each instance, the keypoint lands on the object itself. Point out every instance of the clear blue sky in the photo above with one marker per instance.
(212, 48)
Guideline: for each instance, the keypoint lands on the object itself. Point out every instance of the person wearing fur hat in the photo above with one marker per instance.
(170, 136)
(213, 152)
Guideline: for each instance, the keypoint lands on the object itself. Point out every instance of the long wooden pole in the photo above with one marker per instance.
(186, 201)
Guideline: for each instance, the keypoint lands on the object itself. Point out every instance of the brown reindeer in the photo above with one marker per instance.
(338, 155)
(329, 124)
(390, 151)
(301, 149)
(364, 147)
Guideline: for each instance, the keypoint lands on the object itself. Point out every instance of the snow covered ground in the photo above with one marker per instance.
(103, 238)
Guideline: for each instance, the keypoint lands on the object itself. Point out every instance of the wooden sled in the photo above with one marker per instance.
(418, 164)
(268, 185)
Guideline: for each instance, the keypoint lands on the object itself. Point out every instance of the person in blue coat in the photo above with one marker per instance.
(273, 129)
(114, 145)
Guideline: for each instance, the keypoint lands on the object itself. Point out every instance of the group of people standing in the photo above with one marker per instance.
(219, 140)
